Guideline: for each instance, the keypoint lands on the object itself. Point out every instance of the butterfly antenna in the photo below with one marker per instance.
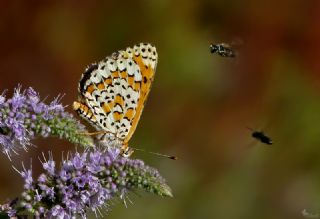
(158, 154)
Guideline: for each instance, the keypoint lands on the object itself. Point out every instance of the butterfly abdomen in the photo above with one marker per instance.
(85, 113)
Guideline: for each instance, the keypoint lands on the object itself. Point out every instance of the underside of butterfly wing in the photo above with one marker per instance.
(112, 93)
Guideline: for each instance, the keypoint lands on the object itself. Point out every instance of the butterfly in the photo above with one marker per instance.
(113, 92)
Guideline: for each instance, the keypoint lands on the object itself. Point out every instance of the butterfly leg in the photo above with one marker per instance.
(94, 133)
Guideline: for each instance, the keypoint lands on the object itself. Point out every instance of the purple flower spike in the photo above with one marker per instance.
(74, 189)
(24, 117)
(84, 181)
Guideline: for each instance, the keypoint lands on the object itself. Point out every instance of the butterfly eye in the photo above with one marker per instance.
(127, 153)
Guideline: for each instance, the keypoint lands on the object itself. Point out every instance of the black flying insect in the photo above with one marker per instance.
(223, 50)
(259, 135)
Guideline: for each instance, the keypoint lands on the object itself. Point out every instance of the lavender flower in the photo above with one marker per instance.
(86, 181)
(24, 117)
(6, 210)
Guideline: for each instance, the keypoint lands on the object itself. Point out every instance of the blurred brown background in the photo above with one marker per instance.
(200, 103)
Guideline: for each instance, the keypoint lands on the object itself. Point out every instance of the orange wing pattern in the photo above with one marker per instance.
(112, 93)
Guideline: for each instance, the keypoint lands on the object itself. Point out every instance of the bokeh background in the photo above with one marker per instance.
(200, 104)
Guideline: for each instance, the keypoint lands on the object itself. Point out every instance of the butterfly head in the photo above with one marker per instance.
(127, 151)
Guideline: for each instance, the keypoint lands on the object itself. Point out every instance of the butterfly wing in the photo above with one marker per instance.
(113, 92)
(146, 57)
